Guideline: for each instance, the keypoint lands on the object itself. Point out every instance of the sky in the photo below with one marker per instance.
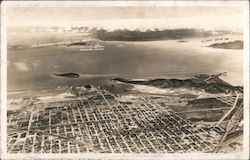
(128, 17)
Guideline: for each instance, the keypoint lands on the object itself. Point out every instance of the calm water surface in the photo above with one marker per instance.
(33, 68)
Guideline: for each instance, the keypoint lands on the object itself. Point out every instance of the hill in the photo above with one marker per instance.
(69, 75)
(214, 85)
(228, 45)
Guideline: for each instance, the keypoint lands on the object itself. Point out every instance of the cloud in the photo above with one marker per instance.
(129, 17)
(21, 66)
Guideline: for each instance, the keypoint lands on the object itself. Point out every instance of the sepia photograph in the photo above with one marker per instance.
(125, 80)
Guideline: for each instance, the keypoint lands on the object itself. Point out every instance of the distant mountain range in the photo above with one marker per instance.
(151, 35)
(127, 34)
(213, 85)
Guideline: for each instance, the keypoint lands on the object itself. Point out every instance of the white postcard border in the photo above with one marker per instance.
(5, 4)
